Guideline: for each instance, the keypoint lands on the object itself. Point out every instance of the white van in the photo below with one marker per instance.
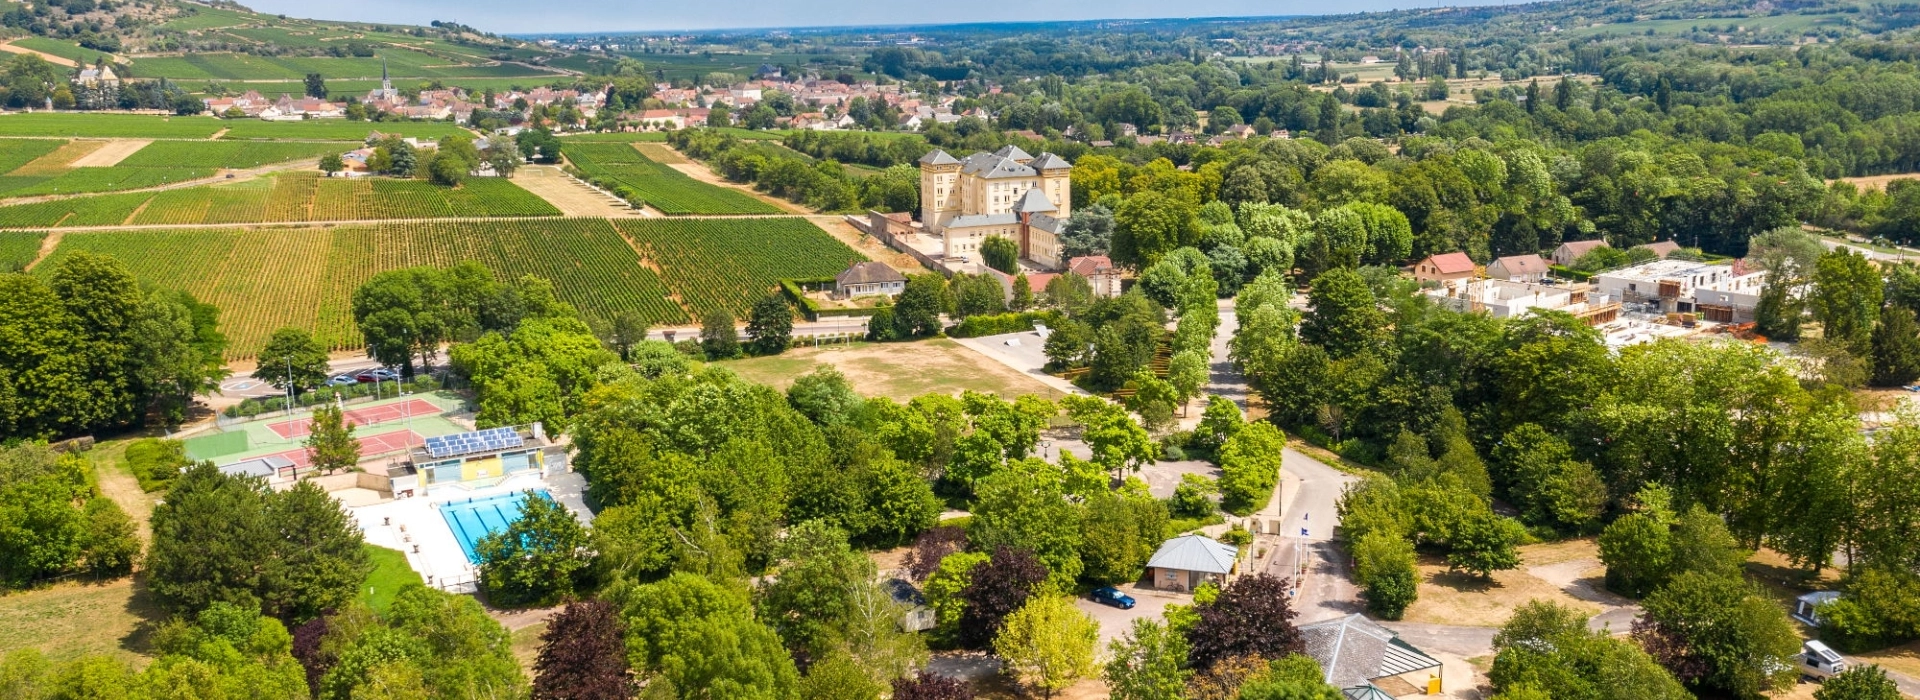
(1819, 662)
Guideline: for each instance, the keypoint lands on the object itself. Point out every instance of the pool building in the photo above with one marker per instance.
(471, 460)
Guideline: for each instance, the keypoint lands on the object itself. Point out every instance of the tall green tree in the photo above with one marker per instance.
(770, 326)
(292, 359)
(1846, 298)
(330, 444)
(1896, 348)
(1719, 633)
(700, 639)
(1343, 316)
(539, 558)
(1148, 662)
(718, 337)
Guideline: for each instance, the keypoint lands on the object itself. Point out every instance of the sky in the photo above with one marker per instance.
(614, 16)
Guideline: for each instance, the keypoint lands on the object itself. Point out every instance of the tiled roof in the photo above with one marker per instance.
(1522, 264)
(1090, 265)
(1452, 263)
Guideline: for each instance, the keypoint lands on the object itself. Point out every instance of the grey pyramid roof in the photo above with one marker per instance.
(869, 273)
(1049, 161)
(939, 157)
(1034, 201)
(1012, 152)
(1195, 553)
(1353, 650)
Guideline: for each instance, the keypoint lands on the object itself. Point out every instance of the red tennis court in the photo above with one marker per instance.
(371, 415)
(369, 446)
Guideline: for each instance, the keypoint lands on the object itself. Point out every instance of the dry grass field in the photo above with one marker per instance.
(899, 371)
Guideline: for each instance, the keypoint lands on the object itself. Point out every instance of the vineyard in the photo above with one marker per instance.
(17, 248)
(17, 152)
(730, 264)
(229, 155)
(264, 279)
(125, 126)
(289, 198)
(334, 129)
(630, 174)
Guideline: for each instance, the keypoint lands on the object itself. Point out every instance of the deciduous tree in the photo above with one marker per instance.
(582, 655)
(330, 444)
(1252, 616)
(1048, 643)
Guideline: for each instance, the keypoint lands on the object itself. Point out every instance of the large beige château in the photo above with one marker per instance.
(1006, 193)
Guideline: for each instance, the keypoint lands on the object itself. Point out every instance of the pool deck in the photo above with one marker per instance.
(409, 523)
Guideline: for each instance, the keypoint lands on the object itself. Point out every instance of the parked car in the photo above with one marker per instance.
(343, 380)
(1820, 662)
(1112, 596)
(377, 374)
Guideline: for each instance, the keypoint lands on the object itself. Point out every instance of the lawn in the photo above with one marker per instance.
(899, 371)
(69, 620)
(390, 572)
(1562, 572)
(64, 49)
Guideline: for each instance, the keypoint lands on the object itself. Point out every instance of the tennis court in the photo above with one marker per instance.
(369, 446)
(473, 519)
(371, 415)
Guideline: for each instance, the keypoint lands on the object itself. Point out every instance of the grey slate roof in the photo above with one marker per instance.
(1012, 152)
(1195, 553)
(1353, 650)
(988, 165)
(868, 273)
(1034, 201)
(1050, 224)
(264, 467)
(983, 220)
(1049, 161)
(938, 157)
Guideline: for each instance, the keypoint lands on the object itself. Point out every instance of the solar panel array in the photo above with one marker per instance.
(477, 441)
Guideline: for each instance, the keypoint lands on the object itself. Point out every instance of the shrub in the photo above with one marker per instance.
(1383, 567)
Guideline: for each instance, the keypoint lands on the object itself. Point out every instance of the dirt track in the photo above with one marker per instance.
(111, 154)
(569, 196)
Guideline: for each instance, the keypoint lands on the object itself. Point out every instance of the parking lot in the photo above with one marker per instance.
(1114, 622)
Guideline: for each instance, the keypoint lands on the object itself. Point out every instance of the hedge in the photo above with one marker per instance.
(976, 326)
(1570, 273)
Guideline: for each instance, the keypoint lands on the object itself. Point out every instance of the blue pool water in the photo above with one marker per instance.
(475, 518)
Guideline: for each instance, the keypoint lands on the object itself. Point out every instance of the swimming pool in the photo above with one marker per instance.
(475, 518)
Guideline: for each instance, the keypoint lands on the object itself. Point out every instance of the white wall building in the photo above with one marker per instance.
(1720, 292)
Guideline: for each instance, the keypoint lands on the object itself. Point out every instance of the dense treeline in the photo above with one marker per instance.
(83, 347)
(823, 185)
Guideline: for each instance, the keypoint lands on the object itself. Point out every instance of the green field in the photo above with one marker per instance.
(340, 87)
(17, 152)
(289, 198)
(64, 49)
(660, 186)
(125, 126)
(335, 129)
(1788, 23)
(209, 18)
(18, 248)
(400, 62)
(263, 279)
(729, 265)
(266, 278)
(161, 163)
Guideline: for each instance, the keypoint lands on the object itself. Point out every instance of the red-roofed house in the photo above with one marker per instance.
(1448, 269)
(1100, 272)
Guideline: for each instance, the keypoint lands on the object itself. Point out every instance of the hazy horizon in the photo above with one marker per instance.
(597, 17)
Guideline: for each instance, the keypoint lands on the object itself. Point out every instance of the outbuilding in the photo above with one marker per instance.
(1185, 562)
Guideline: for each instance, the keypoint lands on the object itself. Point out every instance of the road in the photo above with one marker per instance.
(242, 385)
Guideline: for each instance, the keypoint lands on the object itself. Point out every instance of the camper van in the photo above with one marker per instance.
(1820, 662)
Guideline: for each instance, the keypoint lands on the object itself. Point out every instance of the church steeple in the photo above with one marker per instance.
(385, 82)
